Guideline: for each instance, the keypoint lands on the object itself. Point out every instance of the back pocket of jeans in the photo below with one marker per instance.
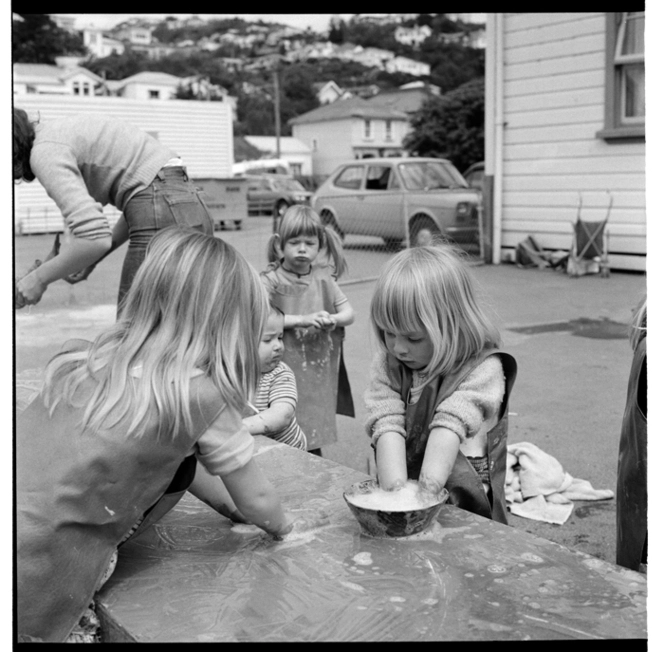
(188, 210)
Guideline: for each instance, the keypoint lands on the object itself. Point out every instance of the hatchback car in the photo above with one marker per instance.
(274, 193)
(474, 175)
(397, 199)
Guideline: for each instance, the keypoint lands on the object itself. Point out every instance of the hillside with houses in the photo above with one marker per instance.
(372, 73)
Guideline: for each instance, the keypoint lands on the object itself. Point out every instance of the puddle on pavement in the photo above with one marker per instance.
(583, 327)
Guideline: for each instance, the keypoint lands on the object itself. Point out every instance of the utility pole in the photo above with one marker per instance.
(277, 112)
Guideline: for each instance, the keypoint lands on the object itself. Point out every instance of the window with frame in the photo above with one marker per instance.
(350, 177)
(625, 106)
(153, 95)
(378, 177)
(388, 129)
(367, 128)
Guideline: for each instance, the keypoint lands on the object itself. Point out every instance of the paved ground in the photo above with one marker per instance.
(568, 336)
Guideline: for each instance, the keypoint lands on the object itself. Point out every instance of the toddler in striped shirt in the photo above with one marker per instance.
(276, 396)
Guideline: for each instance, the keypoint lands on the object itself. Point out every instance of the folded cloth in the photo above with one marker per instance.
(537, 486)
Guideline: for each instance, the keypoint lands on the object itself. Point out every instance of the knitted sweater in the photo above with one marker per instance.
(475, 402)
(87, 161)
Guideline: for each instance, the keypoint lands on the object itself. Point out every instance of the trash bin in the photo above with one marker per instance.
(226, 198)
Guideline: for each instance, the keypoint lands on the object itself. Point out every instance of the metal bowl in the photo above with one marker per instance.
(388, 524)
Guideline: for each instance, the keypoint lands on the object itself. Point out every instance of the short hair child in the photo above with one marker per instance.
(438, 381)
(275, 401)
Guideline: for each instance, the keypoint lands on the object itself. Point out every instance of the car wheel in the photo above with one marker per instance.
(328, 220)
(423, 231)
(392, 244)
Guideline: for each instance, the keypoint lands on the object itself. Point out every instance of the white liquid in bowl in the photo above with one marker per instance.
(402, 500)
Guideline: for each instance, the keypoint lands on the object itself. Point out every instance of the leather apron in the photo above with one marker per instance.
(464, 484)
(313, 355)
(78, 495)
(632, 485)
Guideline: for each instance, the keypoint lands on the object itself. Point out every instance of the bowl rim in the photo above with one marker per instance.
(445, 494)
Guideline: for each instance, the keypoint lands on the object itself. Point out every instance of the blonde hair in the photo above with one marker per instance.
(430, 288)
(639, 325)
(300, 220)
(195, 303)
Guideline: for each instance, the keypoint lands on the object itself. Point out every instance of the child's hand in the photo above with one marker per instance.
(284, 529)
(429, 489)
(320, 319)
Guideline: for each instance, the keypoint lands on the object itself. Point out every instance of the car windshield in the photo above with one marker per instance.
(288, 185)
(431, 175)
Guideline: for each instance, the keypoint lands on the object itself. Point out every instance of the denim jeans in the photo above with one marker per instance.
(170, 199)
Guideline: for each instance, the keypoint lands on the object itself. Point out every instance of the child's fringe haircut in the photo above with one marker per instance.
(300, 220)
(430, 289)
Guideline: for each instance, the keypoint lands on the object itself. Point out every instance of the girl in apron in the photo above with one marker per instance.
(437, 398)
(115, 437)
(305, 259)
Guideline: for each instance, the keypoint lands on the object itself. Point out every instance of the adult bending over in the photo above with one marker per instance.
(86, 161)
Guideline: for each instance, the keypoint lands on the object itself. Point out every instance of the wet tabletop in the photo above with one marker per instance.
(195, 576)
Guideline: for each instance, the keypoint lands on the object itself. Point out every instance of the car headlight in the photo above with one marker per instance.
(463, 208)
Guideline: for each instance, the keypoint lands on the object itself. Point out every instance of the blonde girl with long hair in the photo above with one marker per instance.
(114, 440)
(437, 397)
(305, 260)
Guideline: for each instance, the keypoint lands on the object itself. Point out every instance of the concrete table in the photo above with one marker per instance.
(196, 577)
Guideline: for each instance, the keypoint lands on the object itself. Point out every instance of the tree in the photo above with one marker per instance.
(450, 126)
(37, 39)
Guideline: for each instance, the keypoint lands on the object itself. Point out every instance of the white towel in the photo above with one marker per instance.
(537, 486)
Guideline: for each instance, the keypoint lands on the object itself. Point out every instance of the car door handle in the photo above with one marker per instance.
(361, 197)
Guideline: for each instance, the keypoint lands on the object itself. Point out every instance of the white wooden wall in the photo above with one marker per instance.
(200, 132)
(553, 94)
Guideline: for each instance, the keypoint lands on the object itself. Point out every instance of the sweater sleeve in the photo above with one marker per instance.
(56, 168)
(386, 411)
(476, 400)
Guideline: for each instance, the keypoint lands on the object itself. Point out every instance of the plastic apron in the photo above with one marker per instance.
(312, 354)
(465, 487)
(77, 497)
(632, 486)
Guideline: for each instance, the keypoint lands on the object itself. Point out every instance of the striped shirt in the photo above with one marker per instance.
(276, 386)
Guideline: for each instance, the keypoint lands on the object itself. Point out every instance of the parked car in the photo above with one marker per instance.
(397, 199)
(474, 175)
(274, 193)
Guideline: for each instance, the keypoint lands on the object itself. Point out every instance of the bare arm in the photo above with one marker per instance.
(273, 419)
(345, 316)
(257, 499)
(211, 490)
(391, 461)
(439, 456)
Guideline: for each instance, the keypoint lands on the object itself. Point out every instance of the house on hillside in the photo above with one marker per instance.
(407, 99)
(147, 85)
(408, 66)
(564, 119)
(46, 79)
(329, 91)
(413, 36)
(99, 44)
(292, 150)
(349, 129)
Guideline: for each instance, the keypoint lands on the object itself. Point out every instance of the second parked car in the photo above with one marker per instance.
(274, 193)
(417, 200)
